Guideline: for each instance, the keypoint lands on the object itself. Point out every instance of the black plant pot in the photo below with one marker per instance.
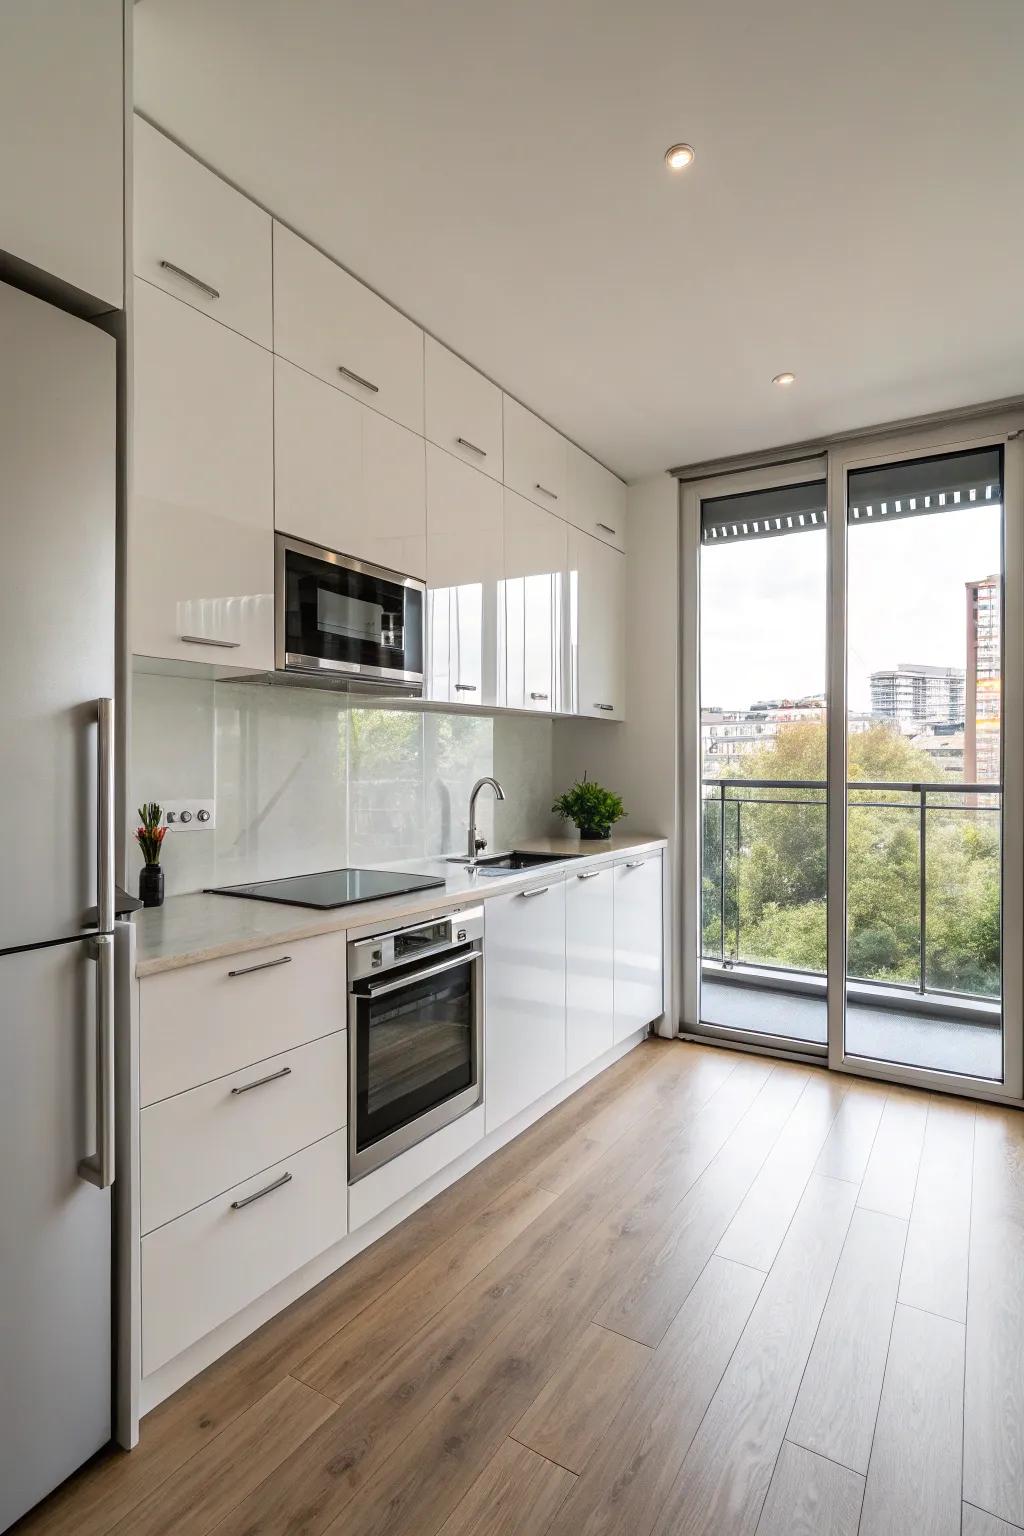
(151, 885)
(595, 834)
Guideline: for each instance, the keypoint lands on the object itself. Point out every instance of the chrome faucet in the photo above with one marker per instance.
(474, 844)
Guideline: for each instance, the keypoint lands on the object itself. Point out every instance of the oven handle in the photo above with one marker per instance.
(467, 957)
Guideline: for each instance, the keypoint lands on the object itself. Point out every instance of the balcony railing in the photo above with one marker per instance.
(923, 881)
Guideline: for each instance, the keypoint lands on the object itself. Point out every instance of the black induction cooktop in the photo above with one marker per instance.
(332, 887)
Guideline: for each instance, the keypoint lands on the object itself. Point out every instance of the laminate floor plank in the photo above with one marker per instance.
(848, 1144)
(891, 1175)
(570, 1415)
(913, 1481)
(837, 1404)
(977, 1522)
(721, 1486)
(935, 1263)
(994, 1387)
(517, 1494)
(810, 1496)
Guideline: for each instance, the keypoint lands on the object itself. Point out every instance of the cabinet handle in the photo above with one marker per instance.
(607, 707)
(264, 965)
(189, 277)
(227, 645)
(357, 379)
(240, 1205)
(465, 687)
(591, 874)
(538, 487)
(259, 1081)
(538, 890)
(605, 528)
(538, 695)
(636, 863)
(464, 442)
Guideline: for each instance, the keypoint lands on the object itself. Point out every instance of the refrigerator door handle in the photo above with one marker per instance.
(98, 1168)
(105, 815)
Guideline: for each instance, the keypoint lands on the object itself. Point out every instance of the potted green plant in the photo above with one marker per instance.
(150, 836)
(591, 808)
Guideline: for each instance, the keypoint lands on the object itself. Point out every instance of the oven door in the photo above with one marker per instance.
(334, 614)
(415, 1044)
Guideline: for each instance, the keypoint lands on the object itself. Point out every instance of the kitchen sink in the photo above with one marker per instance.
(518, 859)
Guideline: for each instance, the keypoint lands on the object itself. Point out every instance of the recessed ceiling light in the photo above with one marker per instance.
(784, 378)
(679, 157)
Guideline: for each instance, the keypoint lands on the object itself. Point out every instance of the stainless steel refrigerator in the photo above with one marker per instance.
(57, 553)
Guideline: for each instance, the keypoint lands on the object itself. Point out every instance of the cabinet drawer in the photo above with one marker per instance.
(536, 458)
(597, 499)
(206, 1266)
(201, 1142)
(199, 239)
(207, 1020)
(463, 410)
(333, 326)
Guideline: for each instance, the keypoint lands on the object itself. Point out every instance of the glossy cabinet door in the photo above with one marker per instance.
(464, 581)
(535, 563)
(589, 941)
(536, 458)
(597, 627)
(463, 410)
(597, 499)
(201, 545)
(524, 971)
(639, 947)
(62, 143)
(345, 477)
(198, 238)
(336, 328)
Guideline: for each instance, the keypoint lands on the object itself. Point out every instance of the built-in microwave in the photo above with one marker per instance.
(339, 618)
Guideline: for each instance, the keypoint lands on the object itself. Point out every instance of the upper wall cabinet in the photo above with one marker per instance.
(62, 144)
(536, 458)
(328, 323)
(597, 628)
(464, 581)
(463, 410)
(597, 499)
(202, 510)
(345, 477)
(535, 562)
(199, 239)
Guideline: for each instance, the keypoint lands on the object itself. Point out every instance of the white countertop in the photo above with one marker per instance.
(200, 926)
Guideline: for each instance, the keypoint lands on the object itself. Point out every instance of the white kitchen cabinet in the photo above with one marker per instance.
(524, 971)
(639, 948)
(536, 458)
(202, 508)
(535, 563)
(597, 499)
(463, 410)
(345, 477)
(589, 948)
(199, 239)
(336, 328)
(464, 581)
(597, 627)
(62, 143)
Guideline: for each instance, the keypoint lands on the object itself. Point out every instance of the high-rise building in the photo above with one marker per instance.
(915, 692)
(984, 681)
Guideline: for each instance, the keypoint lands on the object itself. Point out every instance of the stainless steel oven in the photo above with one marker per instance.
(338, 617)
(415, 1034)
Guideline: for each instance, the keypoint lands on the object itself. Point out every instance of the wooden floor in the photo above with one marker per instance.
(708, 1295)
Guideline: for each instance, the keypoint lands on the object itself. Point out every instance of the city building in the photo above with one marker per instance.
(984, 681)
(911, 691)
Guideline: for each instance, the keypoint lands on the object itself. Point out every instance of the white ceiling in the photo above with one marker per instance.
(854, 214)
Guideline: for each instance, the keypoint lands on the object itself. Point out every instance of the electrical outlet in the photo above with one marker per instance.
(189, 815)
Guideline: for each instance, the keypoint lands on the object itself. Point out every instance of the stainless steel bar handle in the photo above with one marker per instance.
(543, 488)
(190, 277)
(98, 1168)
(465, 687)
(607, 707)
(464, 442)
(104, 815)
(636, 863)
(240, 1205)
(469, 957)
(606, 529)
(590, 874)
(357, 379)
(227, 645)
(538, 890)
(538, 695)
(272, 1077)
(264, 965)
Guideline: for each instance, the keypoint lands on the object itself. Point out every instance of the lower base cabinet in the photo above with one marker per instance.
(524, 1051)
(639, 964)
(589, 949)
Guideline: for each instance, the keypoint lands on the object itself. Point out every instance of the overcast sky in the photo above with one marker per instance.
(763, 605)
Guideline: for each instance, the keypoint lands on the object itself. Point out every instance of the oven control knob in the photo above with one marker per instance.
(461, 935)
(185, 817)
(376, 958)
